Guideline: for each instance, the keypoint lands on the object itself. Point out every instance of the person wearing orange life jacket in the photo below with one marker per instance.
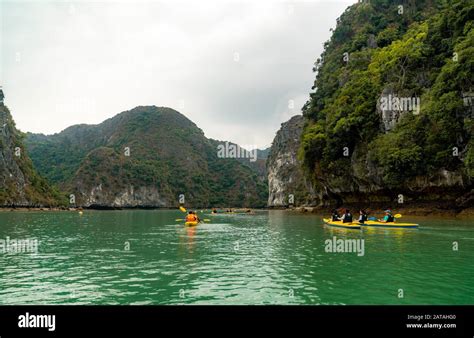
(191, 217)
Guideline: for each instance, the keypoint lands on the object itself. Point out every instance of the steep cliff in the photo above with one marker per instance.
(145, 157)
(389, 120)
(285, 176)
(20, 185)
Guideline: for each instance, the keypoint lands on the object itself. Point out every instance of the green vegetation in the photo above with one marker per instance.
(22, 186)
(169, 155)
(428, 53)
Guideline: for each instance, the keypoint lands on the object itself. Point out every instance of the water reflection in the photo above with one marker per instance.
(190, 233)
(274, 257)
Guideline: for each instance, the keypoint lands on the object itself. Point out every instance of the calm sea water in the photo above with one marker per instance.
(275, 257)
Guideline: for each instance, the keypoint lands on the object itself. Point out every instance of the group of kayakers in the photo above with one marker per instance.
(363, 216)
(230, 211)
(193, 217)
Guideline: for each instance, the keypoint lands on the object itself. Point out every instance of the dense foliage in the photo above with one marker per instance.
(21, 185)
(167, 152)
(424, 50)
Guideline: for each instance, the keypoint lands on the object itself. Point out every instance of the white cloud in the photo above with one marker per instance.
(85, 62)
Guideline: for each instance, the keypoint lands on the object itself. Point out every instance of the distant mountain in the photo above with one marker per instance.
(263, 153)
(145, 157)
(20, 184)
(255, 159)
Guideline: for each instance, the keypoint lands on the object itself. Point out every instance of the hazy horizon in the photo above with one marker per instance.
(236, 69)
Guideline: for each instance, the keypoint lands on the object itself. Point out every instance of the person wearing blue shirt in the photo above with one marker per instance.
(388, 218)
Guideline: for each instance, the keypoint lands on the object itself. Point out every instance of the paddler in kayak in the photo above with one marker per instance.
(214, 211)
(347, 217)
(388, 218)
(362, 216)
(192, 217)
(335, 215)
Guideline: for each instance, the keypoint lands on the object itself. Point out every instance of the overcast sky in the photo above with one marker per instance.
(231, 67)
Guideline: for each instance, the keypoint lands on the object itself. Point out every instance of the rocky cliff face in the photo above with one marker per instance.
(20, 185)
(12, 179)
(362, 186)
(388, 122)
(285, 177)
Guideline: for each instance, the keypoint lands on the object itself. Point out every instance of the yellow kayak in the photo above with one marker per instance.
(191, 224)
(339, 224)
(389, 225)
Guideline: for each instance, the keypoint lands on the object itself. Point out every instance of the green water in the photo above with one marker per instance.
(144, 257)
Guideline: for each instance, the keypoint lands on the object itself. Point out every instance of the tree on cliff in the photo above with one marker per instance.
(423, 50)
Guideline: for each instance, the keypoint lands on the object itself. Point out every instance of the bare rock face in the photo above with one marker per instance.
(392, 106)
(285, 177)
(129, 197)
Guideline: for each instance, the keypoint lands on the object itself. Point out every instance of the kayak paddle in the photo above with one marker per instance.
(182, 219)
(376, 219)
